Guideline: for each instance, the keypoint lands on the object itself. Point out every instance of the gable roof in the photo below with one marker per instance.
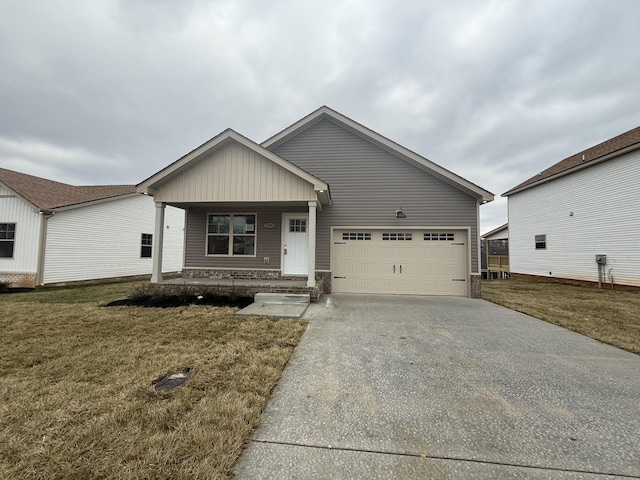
(47, 195)
(497, 230)
(219, 141)
(398, 150)
(606, 150)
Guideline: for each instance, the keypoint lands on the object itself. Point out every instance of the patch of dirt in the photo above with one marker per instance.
(172, 301)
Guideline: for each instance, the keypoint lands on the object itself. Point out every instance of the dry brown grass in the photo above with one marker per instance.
(610, 316)
(76, 396)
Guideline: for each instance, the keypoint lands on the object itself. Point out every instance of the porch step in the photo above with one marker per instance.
(282, 298)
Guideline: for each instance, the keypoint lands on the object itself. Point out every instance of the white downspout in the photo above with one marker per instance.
(42, 245)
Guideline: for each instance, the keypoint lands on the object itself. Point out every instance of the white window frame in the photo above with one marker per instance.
(12, 240)
(540, 240)
(144, 245)
(231, 235)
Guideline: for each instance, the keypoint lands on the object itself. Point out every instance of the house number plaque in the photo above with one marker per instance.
(269, 225)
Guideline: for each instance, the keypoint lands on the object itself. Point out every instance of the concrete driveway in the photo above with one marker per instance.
(444, 387)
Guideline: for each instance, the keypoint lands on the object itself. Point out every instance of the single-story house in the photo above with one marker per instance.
(583, 208)
(496, 248)
(326, 201)
(54, 233)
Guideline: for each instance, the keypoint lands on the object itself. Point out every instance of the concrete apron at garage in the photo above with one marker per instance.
(446, 387)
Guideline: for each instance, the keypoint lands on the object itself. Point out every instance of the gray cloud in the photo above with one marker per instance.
(111, 91)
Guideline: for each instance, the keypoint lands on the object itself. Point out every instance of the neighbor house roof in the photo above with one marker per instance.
(606, 150)
(383, 142)
(219, 141)
(495, 231)
(47, 195)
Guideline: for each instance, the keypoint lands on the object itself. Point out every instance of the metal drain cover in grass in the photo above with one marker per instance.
(169, 382)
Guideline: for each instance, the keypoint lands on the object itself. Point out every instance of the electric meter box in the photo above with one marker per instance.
(601, 259)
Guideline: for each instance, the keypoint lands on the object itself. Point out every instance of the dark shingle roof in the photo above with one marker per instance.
(47, 194)
(584, 158)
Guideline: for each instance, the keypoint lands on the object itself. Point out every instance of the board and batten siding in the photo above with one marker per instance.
(103, 240)
(14, 209)
(235, 173)
(268, 241)
(605, 202)
(368, 184)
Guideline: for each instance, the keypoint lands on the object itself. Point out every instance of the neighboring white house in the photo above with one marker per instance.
(496, 249)
(51, 232)
(586, 205)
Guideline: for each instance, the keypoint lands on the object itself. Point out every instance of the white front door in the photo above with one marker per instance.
(295, 244)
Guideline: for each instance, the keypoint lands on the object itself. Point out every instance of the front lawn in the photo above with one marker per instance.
(76, 393)
(610, 316)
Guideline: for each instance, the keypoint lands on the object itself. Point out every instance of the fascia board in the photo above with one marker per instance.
(577, 168)
(92, 202)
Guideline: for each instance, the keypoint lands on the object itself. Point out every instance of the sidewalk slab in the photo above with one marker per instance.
(291, 310)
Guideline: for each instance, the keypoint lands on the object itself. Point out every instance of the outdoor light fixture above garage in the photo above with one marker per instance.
(400, 213)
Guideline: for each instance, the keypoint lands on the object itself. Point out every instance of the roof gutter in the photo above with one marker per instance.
(593, 162)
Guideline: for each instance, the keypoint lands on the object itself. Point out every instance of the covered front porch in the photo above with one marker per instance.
(251, 220)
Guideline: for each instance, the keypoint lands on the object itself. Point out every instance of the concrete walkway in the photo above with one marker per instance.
(443, 387)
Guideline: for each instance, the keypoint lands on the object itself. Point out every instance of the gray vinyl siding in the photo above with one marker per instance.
(268, 242)
(368, 184)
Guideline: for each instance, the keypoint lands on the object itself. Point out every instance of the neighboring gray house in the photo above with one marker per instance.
(54, 233)
(585, 205)
(327, 201)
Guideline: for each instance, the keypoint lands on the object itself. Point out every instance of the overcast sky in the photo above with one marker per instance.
(106, 91)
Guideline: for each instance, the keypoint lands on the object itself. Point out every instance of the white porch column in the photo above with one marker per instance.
(311, 279)
(158, 243)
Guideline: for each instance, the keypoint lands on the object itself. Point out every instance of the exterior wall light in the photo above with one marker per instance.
(400, 213)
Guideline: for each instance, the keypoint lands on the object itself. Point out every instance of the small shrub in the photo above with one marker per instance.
(141, 292)
(4, 287)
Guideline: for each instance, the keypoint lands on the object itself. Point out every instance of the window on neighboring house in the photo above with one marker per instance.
(7, 239)
(541, 242)
(231, 234)
(146, 245)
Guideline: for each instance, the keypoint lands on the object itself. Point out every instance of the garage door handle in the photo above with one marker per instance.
(400, 268)
(339, 277)
(394, 269)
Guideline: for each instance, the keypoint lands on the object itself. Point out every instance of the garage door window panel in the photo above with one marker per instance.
(356, 236)
(395, 236)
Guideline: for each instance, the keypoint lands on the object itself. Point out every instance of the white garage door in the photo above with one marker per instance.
(418, 262)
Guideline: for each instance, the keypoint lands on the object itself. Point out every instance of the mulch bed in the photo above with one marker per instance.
(172, 301)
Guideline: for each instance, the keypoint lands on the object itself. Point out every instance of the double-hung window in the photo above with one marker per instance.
(541, 242)
(231, 234)
(146, 245)
(7, 239)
